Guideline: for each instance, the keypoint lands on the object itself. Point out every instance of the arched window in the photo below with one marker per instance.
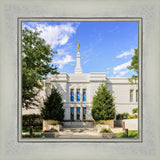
(72, 94)
(84, 112)
(72, 113)
(84, 95)
(78, 94)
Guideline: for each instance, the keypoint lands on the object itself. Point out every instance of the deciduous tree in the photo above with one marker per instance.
(36, 65)
(134, 66)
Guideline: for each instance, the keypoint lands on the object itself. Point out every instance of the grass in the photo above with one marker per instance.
(32, 136)
(131, 134)
(35, 129)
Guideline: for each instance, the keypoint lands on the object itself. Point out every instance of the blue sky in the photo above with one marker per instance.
(104, 46)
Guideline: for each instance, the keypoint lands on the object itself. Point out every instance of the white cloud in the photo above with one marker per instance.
(122, 73)
(58, 34)
(65, 60)
(62, 52)
(55, 34)
(125, 54)
(121, 67)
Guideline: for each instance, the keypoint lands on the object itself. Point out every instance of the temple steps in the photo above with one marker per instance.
(78, 130)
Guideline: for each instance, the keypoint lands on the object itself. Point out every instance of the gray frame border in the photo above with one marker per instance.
(81, 19)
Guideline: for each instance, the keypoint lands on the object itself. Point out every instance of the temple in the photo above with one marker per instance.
(78, 88)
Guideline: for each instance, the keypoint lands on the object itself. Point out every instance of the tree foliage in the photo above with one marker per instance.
(103, 107)
(36, 65)
(53, 107)
(134, 110)
(134, 66)
(31, 120)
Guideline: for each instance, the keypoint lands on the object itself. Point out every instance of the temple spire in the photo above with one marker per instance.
(78, 68)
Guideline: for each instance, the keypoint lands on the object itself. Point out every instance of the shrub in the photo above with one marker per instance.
(53, 107)
(88, 120)
(35, 129)
(134, 116)
(103, 104)
(104, 130)
(31, 120)
(122, 116)
(135, 110)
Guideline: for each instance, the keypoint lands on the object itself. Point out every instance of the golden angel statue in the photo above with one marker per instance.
(78, 46)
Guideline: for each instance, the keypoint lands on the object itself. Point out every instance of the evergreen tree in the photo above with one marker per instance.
(103, 104)
(52, 109)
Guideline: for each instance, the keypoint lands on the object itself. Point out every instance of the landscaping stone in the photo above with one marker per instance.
(108, 135)
(100, 126)
(48, 124)
(110, 123)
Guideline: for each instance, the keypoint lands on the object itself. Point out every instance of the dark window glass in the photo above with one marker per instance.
(84, 95)
(78, 113)
(84, 113)
(78, 94)
(72, 113)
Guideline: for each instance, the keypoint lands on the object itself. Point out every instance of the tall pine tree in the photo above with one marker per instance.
(103, 107)
(53, 107)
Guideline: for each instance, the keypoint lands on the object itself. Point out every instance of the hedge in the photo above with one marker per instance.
(32, 120)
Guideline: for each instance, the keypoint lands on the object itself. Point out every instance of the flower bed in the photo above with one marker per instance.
(107, 133)
(51, 130)
(99, 127)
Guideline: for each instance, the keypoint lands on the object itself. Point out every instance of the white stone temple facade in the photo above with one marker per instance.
(78, 89)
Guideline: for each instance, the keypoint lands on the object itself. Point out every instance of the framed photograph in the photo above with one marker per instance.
(98, 99)
(79, 80)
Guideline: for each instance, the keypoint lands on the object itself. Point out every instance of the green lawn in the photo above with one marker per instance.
(32, 136)
(131, 134)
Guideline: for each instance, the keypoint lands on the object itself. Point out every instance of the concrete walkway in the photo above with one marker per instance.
(79, 132)
(117, 130)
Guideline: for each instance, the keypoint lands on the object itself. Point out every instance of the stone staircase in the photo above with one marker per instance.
(78, 124)
(78, 130)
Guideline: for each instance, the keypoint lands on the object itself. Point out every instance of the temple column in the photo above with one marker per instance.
(81, 113)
